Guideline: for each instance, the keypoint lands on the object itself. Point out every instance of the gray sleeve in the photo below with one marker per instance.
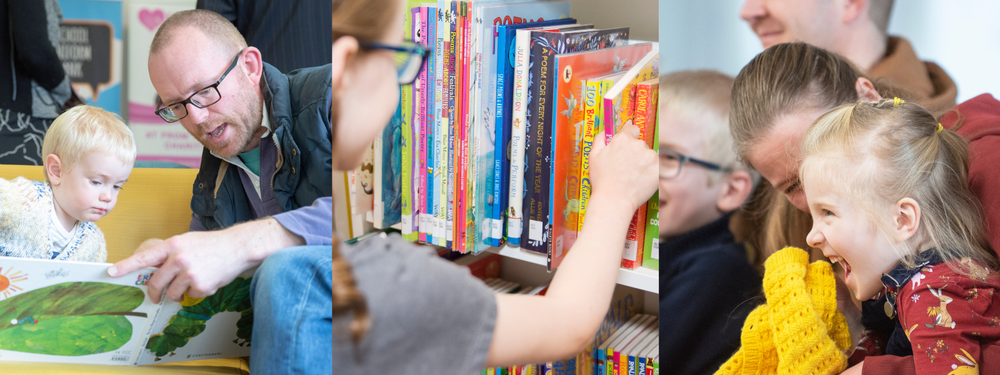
(429, 316)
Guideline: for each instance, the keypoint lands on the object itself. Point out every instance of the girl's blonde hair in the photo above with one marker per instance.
(85, 129)
(881, 152)
(367, 21)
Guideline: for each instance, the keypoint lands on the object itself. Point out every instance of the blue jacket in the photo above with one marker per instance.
(299, 171)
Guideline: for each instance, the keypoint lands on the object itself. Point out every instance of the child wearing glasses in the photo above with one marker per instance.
(88, 155)
(400, 309)
(890, 201)
(706, 279)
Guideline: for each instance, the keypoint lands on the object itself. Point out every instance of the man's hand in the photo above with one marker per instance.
(199, 263)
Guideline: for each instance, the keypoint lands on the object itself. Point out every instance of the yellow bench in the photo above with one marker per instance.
(154, 203)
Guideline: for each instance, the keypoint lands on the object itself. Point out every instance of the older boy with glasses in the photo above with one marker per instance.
(706, 278)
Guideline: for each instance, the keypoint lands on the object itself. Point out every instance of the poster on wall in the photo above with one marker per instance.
(91, 50)
(157, 140)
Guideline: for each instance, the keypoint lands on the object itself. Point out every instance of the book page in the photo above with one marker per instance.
(217, 326)
(73, 312)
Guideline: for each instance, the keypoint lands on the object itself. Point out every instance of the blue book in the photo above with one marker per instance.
(430, 38)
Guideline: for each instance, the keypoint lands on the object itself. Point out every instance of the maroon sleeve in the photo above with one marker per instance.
(980, 125)
(888, 365)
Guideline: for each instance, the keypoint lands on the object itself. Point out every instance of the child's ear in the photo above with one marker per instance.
(53, 169)
(866, 90)
(735, 190)
(345, 49)
(906, 218)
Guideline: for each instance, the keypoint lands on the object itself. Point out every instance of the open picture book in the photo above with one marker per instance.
(56, 311)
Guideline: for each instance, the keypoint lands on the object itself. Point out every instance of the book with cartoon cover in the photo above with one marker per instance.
(73, 312)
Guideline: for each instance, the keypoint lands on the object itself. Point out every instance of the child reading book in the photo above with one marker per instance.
(889, 197)
(706, 279)
(88, 155)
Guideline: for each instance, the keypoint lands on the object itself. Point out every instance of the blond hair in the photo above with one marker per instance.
(227, 39)
(85, 129)
(881, 152)
(702, 95)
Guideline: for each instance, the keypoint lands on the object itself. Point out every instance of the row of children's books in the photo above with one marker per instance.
(490, 145)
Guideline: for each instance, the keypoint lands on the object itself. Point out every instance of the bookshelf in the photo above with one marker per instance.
(641, 278)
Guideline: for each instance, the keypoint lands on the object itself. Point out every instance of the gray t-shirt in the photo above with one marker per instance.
(428, 315)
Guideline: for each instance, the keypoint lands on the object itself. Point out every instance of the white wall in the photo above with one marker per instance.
(962, 36)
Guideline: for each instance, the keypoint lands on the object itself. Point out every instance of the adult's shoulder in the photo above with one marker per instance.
(979, 116)
(311, 84)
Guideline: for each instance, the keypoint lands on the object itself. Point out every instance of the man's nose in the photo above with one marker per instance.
(196, 115)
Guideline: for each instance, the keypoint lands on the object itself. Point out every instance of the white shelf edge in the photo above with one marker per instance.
(641, 278)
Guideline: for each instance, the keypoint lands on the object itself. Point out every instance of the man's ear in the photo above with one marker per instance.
(345, 50)
(853, 9)
(53, 169)
(735, 190)
(866, 90)
(906, 218)
(253, 64)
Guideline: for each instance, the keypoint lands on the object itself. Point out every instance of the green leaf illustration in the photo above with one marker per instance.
(69, 319)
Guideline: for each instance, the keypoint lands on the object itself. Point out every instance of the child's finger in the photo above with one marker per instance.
(631, 130)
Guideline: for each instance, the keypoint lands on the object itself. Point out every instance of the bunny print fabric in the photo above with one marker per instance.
(946, 315)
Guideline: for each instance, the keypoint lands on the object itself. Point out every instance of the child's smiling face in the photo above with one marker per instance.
(847, 236)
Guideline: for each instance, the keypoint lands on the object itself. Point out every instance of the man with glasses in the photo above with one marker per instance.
(264, 182)
(706, 281)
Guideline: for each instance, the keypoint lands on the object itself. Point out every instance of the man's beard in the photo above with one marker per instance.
(243, 125)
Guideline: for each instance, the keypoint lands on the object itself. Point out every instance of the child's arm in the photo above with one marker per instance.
(534, 329)
(939, 317)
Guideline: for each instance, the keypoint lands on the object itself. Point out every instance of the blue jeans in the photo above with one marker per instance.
(292, 302)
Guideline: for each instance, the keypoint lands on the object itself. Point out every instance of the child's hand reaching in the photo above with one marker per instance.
(626, 168)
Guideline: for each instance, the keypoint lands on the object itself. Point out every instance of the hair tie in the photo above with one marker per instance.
(940, 128)
(896, 102)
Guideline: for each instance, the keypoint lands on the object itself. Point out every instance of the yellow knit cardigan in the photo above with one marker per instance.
(798, 330)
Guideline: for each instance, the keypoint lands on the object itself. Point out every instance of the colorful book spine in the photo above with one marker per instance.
(500, 183)
(469, 177)
(461, 149)
(518, 136)
(430, 41)
(452, 127)
(644, 95)
(484, 155)
(647, 118)
(419, 131)
(441, 107)
(592, 107)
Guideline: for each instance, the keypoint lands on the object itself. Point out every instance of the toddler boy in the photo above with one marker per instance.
(89, 153)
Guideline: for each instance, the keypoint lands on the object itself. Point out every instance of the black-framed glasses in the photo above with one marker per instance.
(201, 98)
(672, 161)
(409, 57)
